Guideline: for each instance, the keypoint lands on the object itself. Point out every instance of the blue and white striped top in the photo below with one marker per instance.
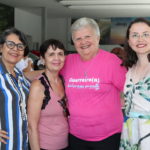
(13, 117)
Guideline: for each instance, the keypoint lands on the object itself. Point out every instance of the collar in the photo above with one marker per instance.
(3, 69)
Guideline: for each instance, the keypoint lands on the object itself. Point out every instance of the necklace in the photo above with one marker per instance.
(17, 86)
(87, 67)
(85, 74)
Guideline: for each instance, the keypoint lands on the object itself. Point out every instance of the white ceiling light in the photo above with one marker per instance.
(117, 7)
(93, 4)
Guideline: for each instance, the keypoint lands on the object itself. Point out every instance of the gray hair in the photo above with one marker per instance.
(82, 22)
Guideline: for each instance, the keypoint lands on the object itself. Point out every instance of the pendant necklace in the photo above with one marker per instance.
(85, 74)
(87, 68)
(21, 103)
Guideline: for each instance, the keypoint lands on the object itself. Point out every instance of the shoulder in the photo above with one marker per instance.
(71, 60)
(36, 85)
(36, 82)
(36, 90)
(22, 76)
(71, 57)
(17, 70)
(109, 57)
(129, 72)
(107, 54)
(2, 67)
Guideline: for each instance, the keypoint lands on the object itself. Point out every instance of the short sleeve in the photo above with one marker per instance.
(118, 73)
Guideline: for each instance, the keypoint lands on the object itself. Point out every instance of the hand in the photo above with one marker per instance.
(3, 135)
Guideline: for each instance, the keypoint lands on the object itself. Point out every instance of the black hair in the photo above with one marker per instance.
(20, 35)
(53, 43)
(131, 57)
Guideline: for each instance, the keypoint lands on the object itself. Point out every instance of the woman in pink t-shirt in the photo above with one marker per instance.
(48, 126)
(94, 79)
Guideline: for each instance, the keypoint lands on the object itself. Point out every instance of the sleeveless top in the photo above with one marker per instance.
(53, 125)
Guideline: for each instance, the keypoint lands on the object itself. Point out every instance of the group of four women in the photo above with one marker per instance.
(87, 83)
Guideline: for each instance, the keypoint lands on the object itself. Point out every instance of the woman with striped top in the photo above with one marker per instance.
(14, 90)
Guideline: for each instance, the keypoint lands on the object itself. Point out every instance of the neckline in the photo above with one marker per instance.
(132, 74)
(141, 80)
(90, 60)
(50, 87)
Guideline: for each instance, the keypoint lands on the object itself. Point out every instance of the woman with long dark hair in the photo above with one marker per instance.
(136, 129)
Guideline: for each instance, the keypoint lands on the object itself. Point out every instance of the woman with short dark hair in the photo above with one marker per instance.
(48, 127)
(14, 90)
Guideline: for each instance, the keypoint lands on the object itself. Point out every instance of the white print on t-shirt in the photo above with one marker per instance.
(92, 80)
(84, 83)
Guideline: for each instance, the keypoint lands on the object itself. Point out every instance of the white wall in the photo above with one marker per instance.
(58, 28)
(29, 23)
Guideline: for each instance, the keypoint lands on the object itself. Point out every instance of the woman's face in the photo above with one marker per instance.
(54, 59)
(11, 54)
(86, 42)
(139, 38)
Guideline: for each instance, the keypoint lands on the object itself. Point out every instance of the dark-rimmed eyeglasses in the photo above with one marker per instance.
(11, 45)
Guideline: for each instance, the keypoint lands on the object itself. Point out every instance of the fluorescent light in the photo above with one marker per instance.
(120, 7)
(104, 2)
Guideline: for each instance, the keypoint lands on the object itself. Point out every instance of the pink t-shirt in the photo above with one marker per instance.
(53, 126)
(93, 91)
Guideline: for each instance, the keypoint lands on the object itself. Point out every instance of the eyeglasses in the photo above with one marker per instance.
(11, 45)
(136, 36)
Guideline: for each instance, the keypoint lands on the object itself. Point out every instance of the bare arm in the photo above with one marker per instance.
(35, 101)
(3, 135)
(31, 75)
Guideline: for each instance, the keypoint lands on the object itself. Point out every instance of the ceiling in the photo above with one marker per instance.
(129, 8)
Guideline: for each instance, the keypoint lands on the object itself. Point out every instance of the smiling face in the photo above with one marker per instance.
(86, 42)
(11, 56)
(139, 38)
(54, 59)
